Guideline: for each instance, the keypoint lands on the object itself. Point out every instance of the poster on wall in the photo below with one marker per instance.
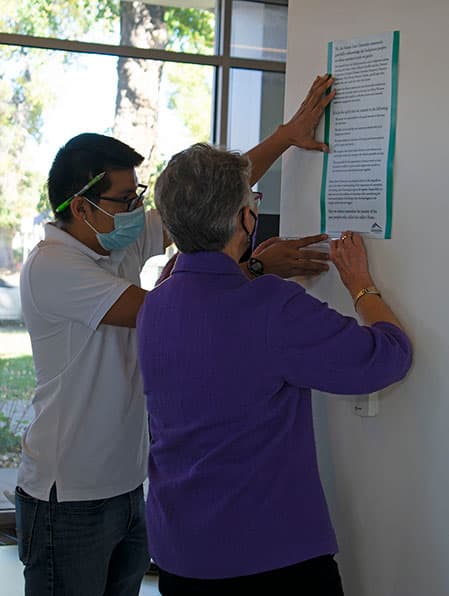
(360, 129)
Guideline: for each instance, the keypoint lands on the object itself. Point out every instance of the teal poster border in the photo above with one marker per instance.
(392, 141)
(327, 123)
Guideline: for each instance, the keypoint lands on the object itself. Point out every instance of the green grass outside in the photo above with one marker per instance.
(17, 384)
(17, 379)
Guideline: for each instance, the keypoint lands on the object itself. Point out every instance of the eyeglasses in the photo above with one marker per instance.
(131, 204)
(257, 197)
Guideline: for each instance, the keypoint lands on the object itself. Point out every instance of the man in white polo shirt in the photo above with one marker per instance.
(79, 496)
(79, 499)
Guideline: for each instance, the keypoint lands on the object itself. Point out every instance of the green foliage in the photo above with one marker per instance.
(190, 96)
(27, 92)
(157, 169)
(67, 19)
(43, 204)
(9, 218)
(9, 442)
(190, 30)
(23, 95)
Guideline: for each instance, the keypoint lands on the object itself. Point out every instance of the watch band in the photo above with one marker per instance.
(364, 292)
(254, 266)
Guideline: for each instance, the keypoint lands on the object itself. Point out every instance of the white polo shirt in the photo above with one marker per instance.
(90, 432)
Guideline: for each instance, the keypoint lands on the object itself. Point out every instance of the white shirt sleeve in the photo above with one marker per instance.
(70, 286)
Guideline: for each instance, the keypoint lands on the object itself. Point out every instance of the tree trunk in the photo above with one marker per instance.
(137, 102)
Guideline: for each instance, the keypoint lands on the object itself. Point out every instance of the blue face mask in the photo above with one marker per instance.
(127, 228)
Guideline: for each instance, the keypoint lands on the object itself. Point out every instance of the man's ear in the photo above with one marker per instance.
(78, 208)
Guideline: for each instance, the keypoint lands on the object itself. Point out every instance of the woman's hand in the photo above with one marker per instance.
(349, 256)
(287, 258)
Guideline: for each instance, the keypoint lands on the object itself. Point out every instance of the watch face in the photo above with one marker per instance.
(255, 266)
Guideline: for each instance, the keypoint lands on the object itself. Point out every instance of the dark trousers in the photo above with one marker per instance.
(82, 548)
(315, 577)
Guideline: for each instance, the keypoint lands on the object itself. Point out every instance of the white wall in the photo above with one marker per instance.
(387, 478)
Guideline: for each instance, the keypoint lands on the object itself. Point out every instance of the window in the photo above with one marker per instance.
(159, 75)
(259, 30)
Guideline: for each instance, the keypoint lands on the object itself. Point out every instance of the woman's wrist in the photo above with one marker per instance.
(355, 287)
(367, 291)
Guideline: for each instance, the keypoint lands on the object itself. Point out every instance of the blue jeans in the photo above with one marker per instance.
(82, 548)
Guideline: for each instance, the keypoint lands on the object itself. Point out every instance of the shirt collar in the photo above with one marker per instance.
(56, 235)
(207, 262)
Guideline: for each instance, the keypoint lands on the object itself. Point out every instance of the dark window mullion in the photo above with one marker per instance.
(222, 104)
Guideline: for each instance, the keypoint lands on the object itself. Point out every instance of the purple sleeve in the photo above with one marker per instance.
(319, 348)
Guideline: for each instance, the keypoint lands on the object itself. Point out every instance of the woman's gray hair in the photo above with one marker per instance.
(199, 195)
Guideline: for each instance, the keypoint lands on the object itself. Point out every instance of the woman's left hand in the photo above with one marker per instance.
(289, 258)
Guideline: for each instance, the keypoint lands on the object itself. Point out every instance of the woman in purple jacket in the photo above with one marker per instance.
(235, 501)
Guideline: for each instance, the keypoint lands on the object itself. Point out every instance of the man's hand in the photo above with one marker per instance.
(300, 130)
(289, 258)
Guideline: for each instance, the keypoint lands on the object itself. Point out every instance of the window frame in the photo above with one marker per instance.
(221, 59)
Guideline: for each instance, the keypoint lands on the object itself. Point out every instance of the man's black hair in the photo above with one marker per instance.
(82, 158)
